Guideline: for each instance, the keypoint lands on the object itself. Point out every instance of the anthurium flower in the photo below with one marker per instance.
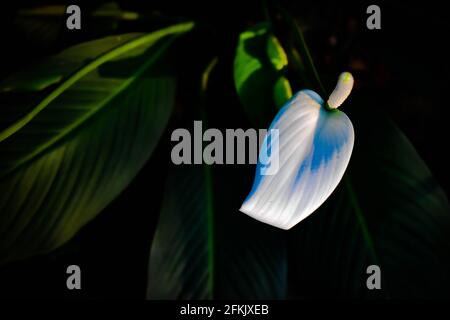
(314, 143)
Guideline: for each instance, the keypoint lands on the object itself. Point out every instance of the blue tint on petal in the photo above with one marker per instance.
(325, 144)
(260, 166)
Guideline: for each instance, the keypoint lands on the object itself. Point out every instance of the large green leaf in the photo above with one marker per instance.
(181, 264)
(388, 211)
(75, 130)
(204, 250)
(259, 67)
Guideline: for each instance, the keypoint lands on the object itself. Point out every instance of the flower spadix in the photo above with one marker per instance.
(311, 148)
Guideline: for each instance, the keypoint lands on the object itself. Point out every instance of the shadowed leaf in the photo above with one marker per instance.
(388, 210)
(78, 134)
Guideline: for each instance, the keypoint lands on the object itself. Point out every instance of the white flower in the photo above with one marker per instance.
(314, 147)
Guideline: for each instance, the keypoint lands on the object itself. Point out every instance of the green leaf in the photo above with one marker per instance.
(75, 130)
(204, 250)
(282, 92)
(388, 211)
(259, 64)
(179, 264)
(276, 53)
(106, 10)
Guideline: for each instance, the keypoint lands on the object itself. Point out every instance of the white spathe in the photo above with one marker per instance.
(314, 147)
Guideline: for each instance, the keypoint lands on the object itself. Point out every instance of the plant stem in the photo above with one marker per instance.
(208, 184)
(303, 48)
(266, 12)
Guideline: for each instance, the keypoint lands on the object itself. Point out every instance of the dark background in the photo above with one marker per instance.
(402, 68)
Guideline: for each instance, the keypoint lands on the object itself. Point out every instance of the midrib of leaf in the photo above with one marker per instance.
(210, 227)
(360, 217)
(81, 73)
(208, 188)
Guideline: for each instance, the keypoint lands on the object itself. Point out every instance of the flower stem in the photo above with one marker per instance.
(303, 48)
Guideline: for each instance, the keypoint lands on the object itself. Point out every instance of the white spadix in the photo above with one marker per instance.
(342, 90)
(314, 147)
